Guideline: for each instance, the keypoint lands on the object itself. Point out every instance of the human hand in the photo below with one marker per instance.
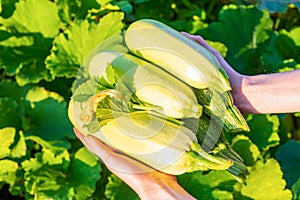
(145, 181)
(237, 80)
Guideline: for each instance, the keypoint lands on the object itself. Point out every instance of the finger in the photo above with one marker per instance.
(113, 159)
(199, 40)
(231, 72)
(94, 145)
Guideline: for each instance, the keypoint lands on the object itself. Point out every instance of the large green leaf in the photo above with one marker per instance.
(8, 170)
(263, 130)
(295, 35)
(70, 10)
(8, 7)
(12, 90)
(57, 176)
(45, 173)
(84, 173)
(19, 148)
(48, 119)
(296, 190)
(288, 156)
(7, 137)
(9, 115)
(242, 29)
(73, 46)
(34, 16)
(12, 144)
(278, 53)
(24, 57)
(265, 182)
(118, 190)
(32, 26)
(246, 149)
(213, 185)
(148, 9)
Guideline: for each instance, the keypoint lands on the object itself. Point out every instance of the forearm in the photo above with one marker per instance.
(269, 93)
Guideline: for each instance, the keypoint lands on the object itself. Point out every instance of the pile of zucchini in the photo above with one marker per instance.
(164, 101)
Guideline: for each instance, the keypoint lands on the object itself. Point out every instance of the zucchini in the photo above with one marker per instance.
(191, 63)
(177, 54)
(163, 103)
(161, 144)
(155, 88)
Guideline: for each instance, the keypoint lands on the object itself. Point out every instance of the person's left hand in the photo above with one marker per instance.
(148, 183)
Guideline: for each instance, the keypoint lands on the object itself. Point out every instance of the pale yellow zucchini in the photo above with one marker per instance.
(176, 53)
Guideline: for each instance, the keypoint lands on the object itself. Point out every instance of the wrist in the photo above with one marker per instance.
(242, 93)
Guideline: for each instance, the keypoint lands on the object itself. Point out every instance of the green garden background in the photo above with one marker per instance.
(42, 46)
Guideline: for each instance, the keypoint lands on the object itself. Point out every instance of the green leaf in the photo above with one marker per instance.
(70, 10)
(118, 190)
(149, 9)
(73, 46)
(84, 91)
(8, 170)
(36, 94)
(48, 119)
(8, 7)
(288, 156)
(9, 115)
(84, 173)
(219, 47)
(110, 108)
(55, 154)
(19, 148)
(246, 149)
(52, 176)
(46, 181)
(7, 137)
(24, 57)
(294, 34)
(12, 90)
(263, 130)
(242, 29)
(125, 6)
(265, 182)
(296, 190)
(34, 16)
(213, 185)
(278, 52)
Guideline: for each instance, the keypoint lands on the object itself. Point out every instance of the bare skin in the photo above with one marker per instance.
(270, 93)
(148, 185)
(261, 94)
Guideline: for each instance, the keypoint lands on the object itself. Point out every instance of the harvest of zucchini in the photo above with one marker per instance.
(165, 102)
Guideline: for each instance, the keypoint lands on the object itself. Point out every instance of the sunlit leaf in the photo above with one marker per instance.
(215, 185)
(273, 185)
(263, 130)
(247, 150)
(8, 170)
(71, 47)
(34, 16)
(7, 136)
